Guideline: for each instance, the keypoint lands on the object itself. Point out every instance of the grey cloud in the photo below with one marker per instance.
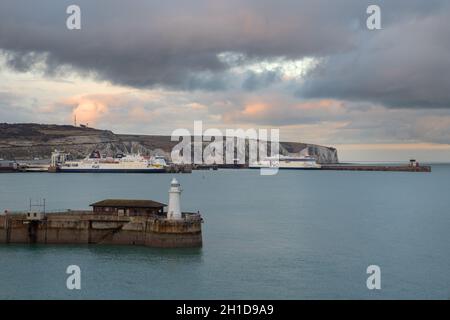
(175, 44)
(24, 61)
(404, 66)
(10, 108)
(254, 81)
(7, 97)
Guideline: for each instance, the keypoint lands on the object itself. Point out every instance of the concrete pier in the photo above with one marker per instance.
(399, 168)
(85, 227)
(111, 221)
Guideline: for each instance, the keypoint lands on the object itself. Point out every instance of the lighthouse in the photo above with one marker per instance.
(174, 211)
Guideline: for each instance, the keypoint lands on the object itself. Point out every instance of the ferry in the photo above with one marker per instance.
(8, 166)
(129, 163)
(287, 162)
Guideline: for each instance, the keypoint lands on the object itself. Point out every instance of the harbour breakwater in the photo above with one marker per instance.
(111, 221)
(396, 168)
(85, 227)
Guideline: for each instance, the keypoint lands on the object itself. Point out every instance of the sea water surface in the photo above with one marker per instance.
(294, 235)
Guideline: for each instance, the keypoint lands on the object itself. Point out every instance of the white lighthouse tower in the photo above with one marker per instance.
(174, 211)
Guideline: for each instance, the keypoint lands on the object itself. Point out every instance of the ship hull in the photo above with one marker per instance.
(287, 163)
(286, 168)
(121, 170)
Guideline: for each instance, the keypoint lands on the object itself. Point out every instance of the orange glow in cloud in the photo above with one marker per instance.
(197, 106)
(88, 110)
(255, 109)
(97, 108)
(324, 104)
(259, 108)
(279, 109)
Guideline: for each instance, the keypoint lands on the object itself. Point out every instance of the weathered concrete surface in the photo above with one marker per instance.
(88, 228)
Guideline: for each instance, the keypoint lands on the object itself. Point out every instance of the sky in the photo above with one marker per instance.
(310, 68)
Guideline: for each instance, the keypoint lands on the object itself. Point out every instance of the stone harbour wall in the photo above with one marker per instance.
(70, 228)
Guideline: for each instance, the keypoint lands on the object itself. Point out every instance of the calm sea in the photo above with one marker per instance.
(295, 235)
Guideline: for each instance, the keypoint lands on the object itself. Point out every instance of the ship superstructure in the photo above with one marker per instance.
(122, 163)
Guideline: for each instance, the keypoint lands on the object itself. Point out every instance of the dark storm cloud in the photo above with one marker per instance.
(176, 44)
(170, 43)
(254, 81)
(404, 66)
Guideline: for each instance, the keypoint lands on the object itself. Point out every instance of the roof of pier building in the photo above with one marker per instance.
(127, 203)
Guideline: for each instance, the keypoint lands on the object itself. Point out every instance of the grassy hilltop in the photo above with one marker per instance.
(29, 140)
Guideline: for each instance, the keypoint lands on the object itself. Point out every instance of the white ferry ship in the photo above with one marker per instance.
(287, 162)
(130, 163)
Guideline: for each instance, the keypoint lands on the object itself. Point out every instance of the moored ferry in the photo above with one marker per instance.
(129, 163)
(8, 166)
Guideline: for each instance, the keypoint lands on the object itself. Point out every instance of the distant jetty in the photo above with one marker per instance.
(111, 221)
(377, 168)
(186, 168)
(413, 166)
